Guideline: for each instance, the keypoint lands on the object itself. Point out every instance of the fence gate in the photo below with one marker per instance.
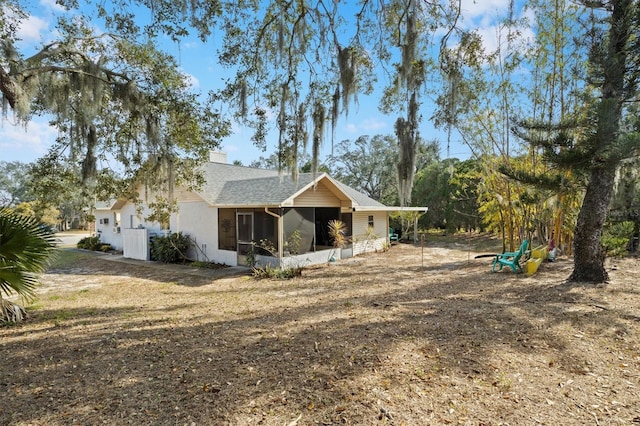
(135, 244)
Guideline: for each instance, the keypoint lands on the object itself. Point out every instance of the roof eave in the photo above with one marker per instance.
(246, 206)
(389, 209)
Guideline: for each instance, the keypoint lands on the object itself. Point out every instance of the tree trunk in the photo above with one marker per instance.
(588, 253)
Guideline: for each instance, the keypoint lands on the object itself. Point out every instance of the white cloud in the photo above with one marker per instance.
(190, 44)
(493, 34)
(32, 28)
(192, 79)
(486, 18)
(18, 143)
(228, 148)
(52, 5)
(486, 9)
(489, 36)
(366, 126)
(372, 124)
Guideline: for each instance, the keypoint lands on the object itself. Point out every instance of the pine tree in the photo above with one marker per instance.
(592, 148)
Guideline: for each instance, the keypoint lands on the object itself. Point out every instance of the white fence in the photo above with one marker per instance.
(136, 244)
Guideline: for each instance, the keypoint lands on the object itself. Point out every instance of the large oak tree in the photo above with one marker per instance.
(118, 101)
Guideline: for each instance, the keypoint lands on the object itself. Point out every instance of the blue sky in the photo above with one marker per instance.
(198, 60)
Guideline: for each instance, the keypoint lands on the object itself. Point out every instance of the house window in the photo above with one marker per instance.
(370, 221)
(227, 229)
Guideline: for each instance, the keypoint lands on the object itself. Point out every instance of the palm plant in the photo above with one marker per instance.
(25, 249)
(338, 235)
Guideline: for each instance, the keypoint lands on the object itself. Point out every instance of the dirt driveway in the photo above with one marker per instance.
(406, 337)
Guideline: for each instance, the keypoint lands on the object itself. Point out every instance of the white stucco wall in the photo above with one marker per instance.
(362, 243)
(194, 218)
(227, 257)
(200, 221)
(106, 221)
(130, 219)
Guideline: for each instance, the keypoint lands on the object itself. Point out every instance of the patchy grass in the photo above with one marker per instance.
(68, 258)
(474, 242)
(409, 336)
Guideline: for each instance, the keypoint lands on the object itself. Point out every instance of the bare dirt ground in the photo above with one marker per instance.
(393, 338)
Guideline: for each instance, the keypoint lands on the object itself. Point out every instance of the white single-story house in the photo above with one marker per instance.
(238, 207)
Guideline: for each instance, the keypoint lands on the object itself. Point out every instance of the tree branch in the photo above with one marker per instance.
(8, 88)
(30, 72)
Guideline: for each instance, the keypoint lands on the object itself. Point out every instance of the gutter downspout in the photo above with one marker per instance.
(280, 232)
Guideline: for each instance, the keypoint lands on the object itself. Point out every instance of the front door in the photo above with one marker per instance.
(245, 235)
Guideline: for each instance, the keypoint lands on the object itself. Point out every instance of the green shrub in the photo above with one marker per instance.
(208, 265)
(616, 237)
(170, 249)
(274, 272)
(93, 244)
(261, 248)
(90, 243)
(293, 242)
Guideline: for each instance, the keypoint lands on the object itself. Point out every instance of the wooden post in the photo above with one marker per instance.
(422, 245)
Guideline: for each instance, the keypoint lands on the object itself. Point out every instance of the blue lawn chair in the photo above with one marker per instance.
(510, 259)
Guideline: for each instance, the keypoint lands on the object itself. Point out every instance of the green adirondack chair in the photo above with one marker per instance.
(510, 259)
(393, 236)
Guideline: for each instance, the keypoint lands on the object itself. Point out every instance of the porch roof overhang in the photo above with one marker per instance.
(389, 209)
(116, 204)
(246, 206)
(351, 208)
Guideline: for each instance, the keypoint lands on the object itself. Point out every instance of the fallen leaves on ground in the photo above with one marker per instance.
(410, 336)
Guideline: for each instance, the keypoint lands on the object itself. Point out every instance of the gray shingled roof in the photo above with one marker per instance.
(272, 190)
(359, 199)
(230, 185)
(110, 204)
(104, 205)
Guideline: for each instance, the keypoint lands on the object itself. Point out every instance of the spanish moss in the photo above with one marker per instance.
(407, 134)
(347, 69)
(335, 112)
(319, 118)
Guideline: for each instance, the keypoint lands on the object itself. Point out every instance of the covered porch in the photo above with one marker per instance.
(286, 236)
(278, 233)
